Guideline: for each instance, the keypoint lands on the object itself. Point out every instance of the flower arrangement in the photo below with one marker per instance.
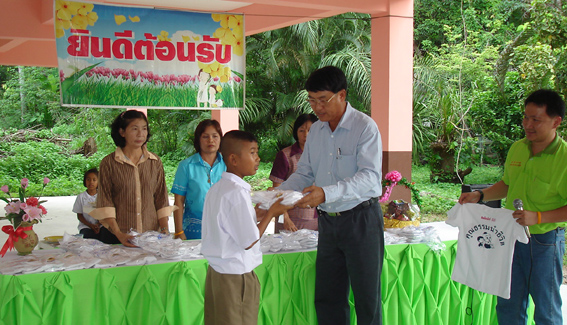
(22, 213)
(392, 179)
(21, 208)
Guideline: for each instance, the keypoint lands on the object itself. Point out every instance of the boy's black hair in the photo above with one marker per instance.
(300, 120)
(229, 140)
(122, 121)
(328, 78)
(90, 171)
(554, 104)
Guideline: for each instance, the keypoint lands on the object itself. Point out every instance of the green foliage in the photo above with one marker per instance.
(261, 180)
(279, 62)
(29, 97)
(267, 147)
(438, 198)
(36, 160)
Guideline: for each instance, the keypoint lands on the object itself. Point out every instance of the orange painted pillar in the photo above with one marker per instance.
(392, 77)
(228, 118)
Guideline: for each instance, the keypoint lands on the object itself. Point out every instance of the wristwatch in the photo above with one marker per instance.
(481, 199)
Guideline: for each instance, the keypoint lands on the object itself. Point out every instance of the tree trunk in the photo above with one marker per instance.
(442, 165)
(22, 96)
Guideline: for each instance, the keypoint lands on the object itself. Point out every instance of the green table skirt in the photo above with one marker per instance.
(416, 289)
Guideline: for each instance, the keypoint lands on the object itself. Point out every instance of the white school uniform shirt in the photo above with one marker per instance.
(229, 227)
(85, 203)
(487, 237)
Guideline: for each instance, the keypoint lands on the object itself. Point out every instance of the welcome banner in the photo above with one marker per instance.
(126, 57)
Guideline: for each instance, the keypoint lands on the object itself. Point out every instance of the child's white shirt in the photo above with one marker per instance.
(85, 203)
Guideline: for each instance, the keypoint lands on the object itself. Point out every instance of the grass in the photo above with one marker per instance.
(438, 198)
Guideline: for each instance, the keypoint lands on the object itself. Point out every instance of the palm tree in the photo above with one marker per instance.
(279, 62)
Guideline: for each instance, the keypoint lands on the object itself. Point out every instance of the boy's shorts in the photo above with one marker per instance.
(231, 298)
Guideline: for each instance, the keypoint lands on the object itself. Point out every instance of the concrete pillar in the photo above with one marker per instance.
(228, 118)
(392, 77)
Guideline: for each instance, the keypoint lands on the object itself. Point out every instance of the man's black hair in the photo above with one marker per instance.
(328, 78)
(554, 104)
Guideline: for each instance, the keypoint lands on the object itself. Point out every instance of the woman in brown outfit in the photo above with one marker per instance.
(132, 194)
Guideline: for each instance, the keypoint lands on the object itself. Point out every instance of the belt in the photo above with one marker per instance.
(361, 206)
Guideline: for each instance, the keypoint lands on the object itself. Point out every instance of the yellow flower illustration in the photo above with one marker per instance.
(219, 89)
(236, 24)
(134, 19)
(224, 21)
(119, 19)
(221, 33)
(85, 8)
(238, 48)
(186, 38)
(92, 17)
(231, 31)
(79, 22)
(225, 75)
(73, 14)
(163, 36)
(59, 32)
(217, 17)
(66, 9)
(62, 24)
(216, 69)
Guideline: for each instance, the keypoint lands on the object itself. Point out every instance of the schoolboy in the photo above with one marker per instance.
(230, 236)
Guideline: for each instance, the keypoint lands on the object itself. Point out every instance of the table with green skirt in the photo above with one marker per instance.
(416, 289)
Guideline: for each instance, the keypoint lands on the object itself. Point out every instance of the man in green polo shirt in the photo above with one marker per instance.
(535, 172)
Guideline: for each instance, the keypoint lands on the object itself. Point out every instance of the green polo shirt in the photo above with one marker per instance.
(540, 181)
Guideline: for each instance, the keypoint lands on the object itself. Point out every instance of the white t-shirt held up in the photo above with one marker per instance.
(487, 237)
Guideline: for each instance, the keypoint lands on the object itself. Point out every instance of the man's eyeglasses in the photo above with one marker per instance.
(314, 102)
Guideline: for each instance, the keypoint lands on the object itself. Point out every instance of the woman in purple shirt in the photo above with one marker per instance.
(285, 164)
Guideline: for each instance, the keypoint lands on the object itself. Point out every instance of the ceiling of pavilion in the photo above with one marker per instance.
(27, 34)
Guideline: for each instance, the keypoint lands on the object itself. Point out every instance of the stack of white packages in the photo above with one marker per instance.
(390, 238)
(302, 239)
(53, 262)
(107, 255)
(414, 235)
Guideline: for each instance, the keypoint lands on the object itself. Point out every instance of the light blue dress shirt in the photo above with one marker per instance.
(193, 179)
(346, 163)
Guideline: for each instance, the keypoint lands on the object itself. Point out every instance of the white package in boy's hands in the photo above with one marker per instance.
(267, 198)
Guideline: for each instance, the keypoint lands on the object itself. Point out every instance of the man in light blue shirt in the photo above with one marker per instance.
(341, 170)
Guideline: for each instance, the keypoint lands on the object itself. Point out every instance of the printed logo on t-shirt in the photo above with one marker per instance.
(485, 234)
(516, 164)
(485, 240)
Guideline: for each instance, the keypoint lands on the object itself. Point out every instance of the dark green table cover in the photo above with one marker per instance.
(416, 289)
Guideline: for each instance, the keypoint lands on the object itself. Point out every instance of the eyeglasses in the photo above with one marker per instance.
(314, 102)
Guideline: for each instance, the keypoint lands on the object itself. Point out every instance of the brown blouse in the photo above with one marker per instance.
(135, 195)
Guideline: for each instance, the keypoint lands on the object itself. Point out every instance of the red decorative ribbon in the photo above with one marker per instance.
(13, 236)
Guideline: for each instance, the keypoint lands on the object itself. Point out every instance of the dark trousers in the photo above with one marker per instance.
(350, 254)
(104, 235)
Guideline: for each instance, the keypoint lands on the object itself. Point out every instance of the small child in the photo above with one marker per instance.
(230, 235)
(89, 227)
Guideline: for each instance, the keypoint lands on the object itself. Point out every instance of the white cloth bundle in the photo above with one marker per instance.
(267, 198)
